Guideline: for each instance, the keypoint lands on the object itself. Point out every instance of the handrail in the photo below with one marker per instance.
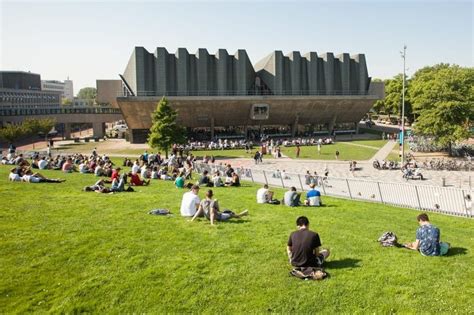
(57, 111)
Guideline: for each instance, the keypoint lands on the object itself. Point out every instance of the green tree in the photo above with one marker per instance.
(66, 102)
(392, 103)
(165, 131)
(88, 93)
(443, 99)
(33, 126)
(11, 133)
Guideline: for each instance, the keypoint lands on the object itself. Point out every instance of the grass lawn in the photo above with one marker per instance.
(135, 152)
(67, 251)
(350, 150)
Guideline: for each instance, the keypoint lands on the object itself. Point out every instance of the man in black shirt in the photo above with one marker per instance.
(304, 246)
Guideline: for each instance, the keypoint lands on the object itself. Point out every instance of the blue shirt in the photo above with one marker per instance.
(313, 193)
(428, 235)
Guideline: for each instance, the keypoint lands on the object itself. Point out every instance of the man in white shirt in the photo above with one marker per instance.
(264, 195)
(190, 202)
(135, 167)
(42, 164)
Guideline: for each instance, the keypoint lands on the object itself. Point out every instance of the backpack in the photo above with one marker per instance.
(309, 273)
(388, 239)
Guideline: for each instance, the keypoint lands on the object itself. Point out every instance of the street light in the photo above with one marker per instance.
(402, 134)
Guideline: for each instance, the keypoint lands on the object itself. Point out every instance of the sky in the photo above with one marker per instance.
(89, 40)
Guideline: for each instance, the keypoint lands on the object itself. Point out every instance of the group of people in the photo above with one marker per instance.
(24, 173)
(193, 207)
(304, 247)
(291, 198)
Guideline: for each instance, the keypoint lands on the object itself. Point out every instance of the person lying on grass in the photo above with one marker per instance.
(304, 246)
(427, 239)
(31, 177)
(210, 209)
(99, 187)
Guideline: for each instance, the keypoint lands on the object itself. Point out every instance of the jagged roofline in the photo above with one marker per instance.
(262, 63)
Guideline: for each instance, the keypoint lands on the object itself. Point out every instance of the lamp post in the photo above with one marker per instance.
(402, 134)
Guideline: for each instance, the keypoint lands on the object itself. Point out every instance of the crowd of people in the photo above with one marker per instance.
(303, 246)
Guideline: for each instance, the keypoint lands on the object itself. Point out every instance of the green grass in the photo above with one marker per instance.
(66, 251)
(349, 150)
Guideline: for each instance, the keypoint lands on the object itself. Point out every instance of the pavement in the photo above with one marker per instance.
(365, 170)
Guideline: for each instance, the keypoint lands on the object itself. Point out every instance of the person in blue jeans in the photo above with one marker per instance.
(427, 239)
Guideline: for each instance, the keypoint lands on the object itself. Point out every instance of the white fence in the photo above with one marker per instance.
(444, 200)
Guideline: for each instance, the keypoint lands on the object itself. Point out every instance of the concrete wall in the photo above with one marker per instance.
(185, 74)
(108, 91)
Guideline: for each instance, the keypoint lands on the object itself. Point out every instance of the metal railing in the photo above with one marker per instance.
(57, 111)
(249, 93)
(443, 200)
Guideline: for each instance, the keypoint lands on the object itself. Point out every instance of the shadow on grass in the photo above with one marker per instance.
(342, 263)
(454, 251)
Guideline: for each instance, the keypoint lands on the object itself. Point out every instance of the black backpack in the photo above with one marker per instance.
(309, 273)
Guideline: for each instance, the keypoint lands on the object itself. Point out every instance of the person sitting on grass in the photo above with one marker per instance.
(264, 195)
(210, 209)
(217, 180)
(235, 180)
(292, 198)
(190, 202)
(304, 246)
(204, 180)
(68, 166)
(136, 181)
(179, 181)
(313, 197)
(31, 177)
(427, 239)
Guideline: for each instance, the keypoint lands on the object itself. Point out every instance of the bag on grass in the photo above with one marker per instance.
(309, 273)
(159, 212)
(388, 239)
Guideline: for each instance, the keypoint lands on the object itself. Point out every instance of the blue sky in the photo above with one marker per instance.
(89, 40)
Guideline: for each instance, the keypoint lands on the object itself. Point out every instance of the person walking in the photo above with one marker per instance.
(298, 149)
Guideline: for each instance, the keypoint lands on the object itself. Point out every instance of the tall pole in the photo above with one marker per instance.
(402, 142)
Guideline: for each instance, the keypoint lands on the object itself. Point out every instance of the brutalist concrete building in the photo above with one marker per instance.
(224, 95)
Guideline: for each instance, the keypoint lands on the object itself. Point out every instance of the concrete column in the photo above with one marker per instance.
(294, 126)
(98, 129)
(67, 131)
(331, 124)
(212, 128)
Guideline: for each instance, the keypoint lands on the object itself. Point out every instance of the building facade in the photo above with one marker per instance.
(66, 88)
(210, 92)
(108, 91)
(22, 90)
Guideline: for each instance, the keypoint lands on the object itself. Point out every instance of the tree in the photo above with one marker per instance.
(33, 126)
(66, 102)
(88, 93)
(392, 103)
(443, 98)
(165, 131)
(11, 133)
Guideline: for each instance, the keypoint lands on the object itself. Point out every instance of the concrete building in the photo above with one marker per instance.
(22, 90)
(221, 91)
(108, 91)
(65, 88)
(20, 80)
